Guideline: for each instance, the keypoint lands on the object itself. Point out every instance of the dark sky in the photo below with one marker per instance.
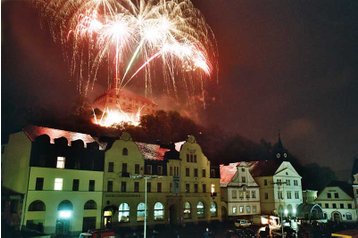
(284, 65)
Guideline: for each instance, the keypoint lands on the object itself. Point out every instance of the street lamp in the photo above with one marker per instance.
(280, 183)
(145, 177)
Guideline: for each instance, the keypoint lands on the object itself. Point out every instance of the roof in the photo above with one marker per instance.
(151, 151)
(264, 167)
(32, 132)
(346, 187)
(227, 172)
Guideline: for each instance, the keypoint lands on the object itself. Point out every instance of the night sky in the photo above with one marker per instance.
(284, 65)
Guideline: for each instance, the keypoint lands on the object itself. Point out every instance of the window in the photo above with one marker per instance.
(148, 169)
(159, 187)
(158, 211)
(289, 195)
(195, 172)
(234, 209)
(349, 206)
(242, 169)
(137, 169)
(195, 158)
(280, 195)
(248, 209)
(123, 186)
(39, 184)
(297, 195)
(213, 209)
(90, 205)
(279, 182)
(110, 166)
(65, 209)
(37, 206)
(265, 182)
(60, 162)
(334, 205)
(295, 182)
(204, 188)
(58, 184)
(196, 188)
(200, 210)
(247, 194)
(234, 194)
(341, 205)
(109, 186)
(149, 187)
(212, 189)
(140, 212)
(187, 188)
(241, 209)
(349, 216)
(75, 184)
(136, 187)
(336, 195)
(266, 196)
(204, 173)
(125, 151)
(243, 179)
(212, 173)
(123, 212)
(187, 210)
(187, 157)
(91, 185)
(288, 182)
(187, 172)
(329, 195)
(160, 170)
(191, 158)
(253, 194)
(326, 205)
(254, 209)
(171, 171)
(124, 168)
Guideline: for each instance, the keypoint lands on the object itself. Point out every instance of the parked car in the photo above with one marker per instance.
(240, 223)
(98, 233)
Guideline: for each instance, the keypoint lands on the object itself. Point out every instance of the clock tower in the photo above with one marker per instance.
(278, 150)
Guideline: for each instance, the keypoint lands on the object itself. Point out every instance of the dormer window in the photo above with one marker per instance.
(125, 151)
(60, 162)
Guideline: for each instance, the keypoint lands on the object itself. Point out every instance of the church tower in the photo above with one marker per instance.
(278, 150)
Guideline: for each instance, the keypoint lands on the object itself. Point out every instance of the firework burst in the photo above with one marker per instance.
(131, 37)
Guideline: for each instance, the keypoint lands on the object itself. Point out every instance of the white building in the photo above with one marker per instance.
(280, 186)
(337, 202)
(239, 190)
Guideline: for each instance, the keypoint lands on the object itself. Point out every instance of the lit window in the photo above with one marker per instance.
(123, 212)
(58, 184)
(212, 190)
(187, 210)
(248, 209)
(241, 209)
(200, 210)
(60, 162)
(234, 210)
(213, 209)
(158, 211)
(140, 212)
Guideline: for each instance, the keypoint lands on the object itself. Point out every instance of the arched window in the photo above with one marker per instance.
(125, 151)
(65, 209)
(349, 216)
(213, 209)
(37, 206)
(187, 210)
(158, 211)
(90, 205)
(200, 210)
(140, 212)
(123, 212)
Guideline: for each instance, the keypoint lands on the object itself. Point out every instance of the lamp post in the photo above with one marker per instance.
(145, 177)
(280, 183)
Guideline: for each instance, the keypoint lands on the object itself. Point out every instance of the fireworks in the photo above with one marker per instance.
(132, 37)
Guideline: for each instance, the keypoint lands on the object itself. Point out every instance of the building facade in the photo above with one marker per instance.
(337, 202)
(60, 175)
(180, 184)
(239, 190)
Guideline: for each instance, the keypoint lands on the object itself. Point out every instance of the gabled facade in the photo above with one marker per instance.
(280, 186)
(337, 202)
(181, 186)
(59, 174)
(239, 190)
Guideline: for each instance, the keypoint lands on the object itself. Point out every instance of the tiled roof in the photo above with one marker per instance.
(227, 172)
(264, 167)
(151, 151)
(346, 187)
(33, 132)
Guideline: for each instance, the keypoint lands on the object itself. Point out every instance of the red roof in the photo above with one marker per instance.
(33, 132)
(227, 172)
(151, 151)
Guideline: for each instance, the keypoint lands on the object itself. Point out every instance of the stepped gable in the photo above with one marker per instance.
(264, 167)
(33, 132)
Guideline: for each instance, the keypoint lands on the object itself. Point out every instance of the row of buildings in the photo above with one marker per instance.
(62, 182)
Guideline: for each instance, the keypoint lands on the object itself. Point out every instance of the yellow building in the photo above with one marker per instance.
(181, 186)
(60, 177)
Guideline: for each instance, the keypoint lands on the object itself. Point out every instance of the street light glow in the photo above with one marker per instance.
(65, 214)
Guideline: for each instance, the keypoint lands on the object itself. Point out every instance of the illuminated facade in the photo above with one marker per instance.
(181, 186)
(337, 202)
(60, 176)
(239, 190)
